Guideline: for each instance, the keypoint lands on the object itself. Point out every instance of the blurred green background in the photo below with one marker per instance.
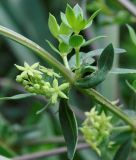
(21, 130)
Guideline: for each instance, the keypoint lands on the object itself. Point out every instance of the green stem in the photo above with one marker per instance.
(39, 51)
(77, 57)
(66, 73)
(122, 128)
(106, 103)
(65, 60)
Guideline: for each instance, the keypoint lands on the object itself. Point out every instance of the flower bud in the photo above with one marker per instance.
(31, 89)
(25, 82)
(19, 78)
(36, 86)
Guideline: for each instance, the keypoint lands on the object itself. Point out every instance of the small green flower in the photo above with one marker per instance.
(96, 128)
(33, 81)
(56, 91)
(48, 71)
(28, 70)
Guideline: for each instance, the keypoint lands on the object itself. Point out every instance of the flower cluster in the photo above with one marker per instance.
(41, 80)
(96, 128)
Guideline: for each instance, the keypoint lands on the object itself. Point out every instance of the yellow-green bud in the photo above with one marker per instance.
(25, 82)
(38, 76)
(19, 78)
(36, 86)
(31, 89)
(26, 87)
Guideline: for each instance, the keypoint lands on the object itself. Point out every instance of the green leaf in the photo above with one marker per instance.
(92, 40)
(64, 29)
(83, 60)
(105, 60)
(53, 25)
(122, 71)
(69, 127)
(132, 34)
(90, 20)
(64, 19)
(120, 136)
(78, 10)
(76, 41)
(92, 80)
(104, 65)
(19, 96)
(123, 151)
(98, 52)
(53, 47)
(64, 48)
(64, 38)
(70, 15)
(44, 108)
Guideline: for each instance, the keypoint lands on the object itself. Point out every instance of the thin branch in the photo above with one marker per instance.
(36, 156)
(129, 6)
(49, 140)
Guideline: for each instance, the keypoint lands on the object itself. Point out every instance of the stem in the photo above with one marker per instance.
(122, 128)
(77, 57)
(65, 60)
(39, 51)
(106, 103)
(53, 152)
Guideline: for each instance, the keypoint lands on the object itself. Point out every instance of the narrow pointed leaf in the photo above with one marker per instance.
(89, 21)
(64, 19)
(92, 40)
(98, 52)
(70, 15)
(122, 71)
(123, 151)
(53, 25)
(64, 29)
(53, 47)
(19, 96)
(43, 109)
(105, 61)
(132, 34)
(78, 10)
(89, 60)
(69, 127)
